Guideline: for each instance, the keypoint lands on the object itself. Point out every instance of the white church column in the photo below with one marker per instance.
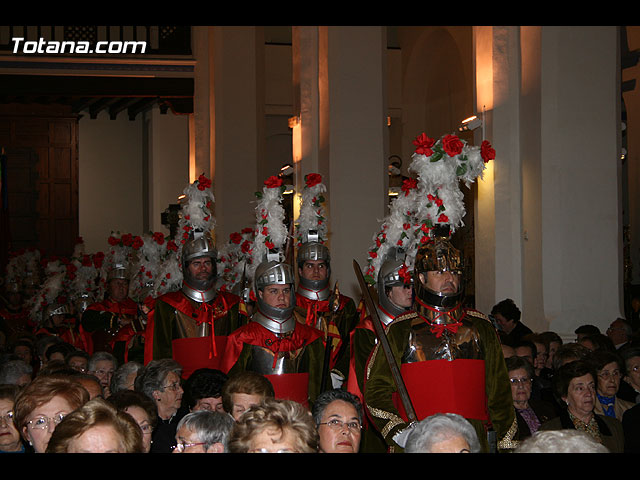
(548, 212)
(342, 134)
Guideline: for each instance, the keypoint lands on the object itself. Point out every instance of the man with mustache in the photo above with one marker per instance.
(449, 356)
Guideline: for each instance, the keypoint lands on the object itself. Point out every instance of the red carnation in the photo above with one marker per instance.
(273, 182)
(423, 145)
(486, 151)
(86, 261)
(236, 238)
(203, 182)
(313, 179)
(98, 258)
(246, 230)
(269, 244)
(158, 237)
(137, 242)
(443, 218)
(171, 245)
(113, 241)
(409, 184)
(246, 245)
(452, 145)
(127, 239)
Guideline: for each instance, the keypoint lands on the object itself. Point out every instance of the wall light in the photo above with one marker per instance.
(470, 123)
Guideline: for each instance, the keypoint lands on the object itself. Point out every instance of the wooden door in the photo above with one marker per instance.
(42, 182)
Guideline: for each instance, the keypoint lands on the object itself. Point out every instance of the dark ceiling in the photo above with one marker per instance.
(94, 94)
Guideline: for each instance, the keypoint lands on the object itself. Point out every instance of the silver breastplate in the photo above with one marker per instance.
(274, 325)
(314, 294)
(188, 328)
(199, 295)
(425, 345)
(265, 362)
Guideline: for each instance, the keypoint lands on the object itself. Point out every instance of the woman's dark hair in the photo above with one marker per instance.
(508, 309)
(569, 371)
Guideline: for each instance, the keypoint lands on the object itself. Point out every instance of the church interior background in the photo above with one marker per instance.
(100, 143)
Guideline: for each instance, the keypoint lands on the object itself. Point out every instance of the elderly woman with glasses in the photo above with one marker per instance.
(338, 416)
(530, 413)
(610, 370)
(203, 431)
(10, 440)
(575, 384)
(42, 405)
(96, 427)
(160, 381)
(275, 426)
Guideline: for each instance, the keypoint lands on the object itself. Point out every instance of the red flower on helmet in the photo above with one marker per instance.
(235, 237)
(423, 145)
(113, 241)
(312, 179)
(409, 184)
(273, 182)
(137, 242)
(158, 237)
(171, 245)
(203, 182)
(127, 239)
(443, 218)
(486, 151)
(452, 145)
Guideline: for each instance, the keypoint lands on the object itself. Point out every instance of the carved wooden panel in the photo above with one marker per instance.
(42, 182)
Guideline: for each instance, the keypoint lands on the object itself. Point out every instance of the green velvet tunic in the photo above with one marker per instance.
(380, 386)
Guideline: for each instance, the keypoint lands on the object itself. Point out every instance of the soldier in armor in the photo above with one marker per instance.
(449, 356)
(108, 321)
(395, 298)
(314, 298)
(273, 343)
(191, 325)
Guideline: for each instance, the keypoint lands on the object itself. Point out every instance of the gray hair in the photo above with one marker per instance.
(440, 427)
(209, 426)
(119, 379)
(11, 371)
(561, 441)
(98, 357)
(153, 375)
(325, 398)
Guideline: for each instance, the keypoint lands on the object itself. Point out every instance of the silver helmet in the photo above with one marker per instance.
(118, 270)
(277, 320)
(313, 249)
(389, 276)
(200, 244)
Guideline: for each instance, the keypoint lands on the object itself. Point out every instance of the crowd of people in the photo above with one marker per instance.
(251, 349)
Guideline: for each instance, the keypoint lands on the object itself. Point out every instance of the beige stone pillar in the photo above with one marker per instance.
(342, 92)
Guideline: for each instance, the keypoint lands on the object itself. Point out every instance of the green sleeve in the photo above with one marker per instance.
(163, 321)
(379, 384)
(94, 320)
(497, 385)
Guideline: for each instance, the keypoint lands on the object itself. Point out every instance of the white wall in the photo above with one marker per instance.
(110, 178)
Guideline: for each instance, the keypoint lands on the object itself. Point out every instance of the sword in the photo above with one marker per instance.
(386, 348)
(334, 303)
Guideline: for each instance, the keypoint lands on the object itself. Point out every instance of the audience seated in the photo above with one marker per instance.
(275, 426)
(203, 431)
(443, 433)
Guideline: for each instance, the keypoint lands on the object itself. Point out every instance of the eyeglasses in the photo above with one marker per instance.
(339, 425)
(6, 418)
(103, 373)
(521, 381)
(43, 422)
(173, 387)
(180, 447)
(608, 375)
